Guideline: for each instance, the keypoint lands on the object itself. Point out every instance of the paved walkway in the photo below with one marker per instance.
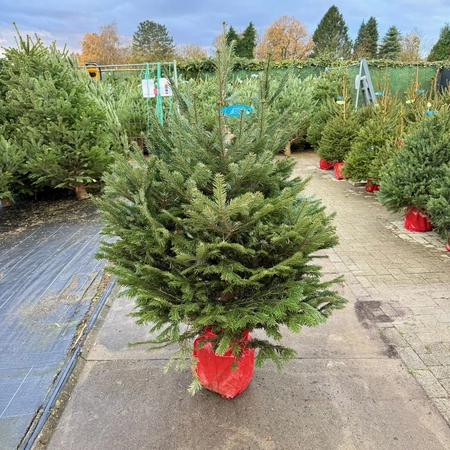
(375, 376)
(401, 279)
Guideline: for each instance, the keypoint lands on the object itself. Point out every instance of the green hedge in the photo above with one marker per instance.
(401, 75)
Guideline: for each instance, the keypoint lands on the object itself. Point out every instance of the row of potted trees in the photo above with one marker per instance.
(399, 149)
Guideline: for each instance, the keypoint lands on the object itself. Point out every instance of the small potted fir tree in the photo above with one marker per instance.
(410, 176)
(339, 132)
(214, 239)
(11, 158)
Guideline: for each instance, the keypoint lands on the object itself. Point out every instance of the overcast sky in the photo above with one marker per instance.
(199, 21)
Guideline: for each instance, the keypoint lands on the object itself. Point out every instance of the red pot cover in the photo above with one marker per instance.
(214, 371)
(370, 187)
(337, 170)
(325, 165)
(416, 220)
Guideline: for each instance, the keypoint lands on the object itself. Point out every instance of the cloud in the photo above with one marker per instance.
(199, 21)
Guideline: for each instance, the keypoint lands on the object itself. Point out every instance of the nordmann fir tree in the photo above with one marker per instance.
(326, 89)
(375, 133)
(409, 177)
(340, 129)
(59, 117)
(11, 160)
(212, 231)
(439, 203)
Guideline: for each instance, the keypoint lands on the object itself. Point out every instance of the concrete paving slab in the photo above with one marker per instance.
(317, 404)
(119, 330)
(346, 391)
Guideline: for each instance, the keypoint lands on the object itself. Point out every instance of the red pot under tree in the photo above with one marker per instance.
(337, 170)
(325, 165)
(371, 187)
(226, 374)
(417, 220)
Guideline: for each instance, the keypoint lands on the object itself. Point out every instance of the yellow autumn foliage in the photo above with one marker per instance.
(285, 38)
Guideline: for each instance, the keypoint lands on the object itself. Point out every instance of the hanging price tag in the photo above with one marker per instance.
(148, 88)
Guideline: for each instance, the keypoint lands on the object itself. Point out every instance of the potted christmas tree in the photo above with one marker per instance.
(327, 90)
(58, 116)
(214, 239)
(439, 204)
(375, 134)
(409, 176)
(339, 132)
(11, 158)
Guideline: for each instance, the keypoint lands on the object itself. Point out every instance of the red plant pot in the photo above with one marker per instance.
(371, 187)
(325, 165)
(416, 220)
(337, 170)
(447, 247)
(215, 372)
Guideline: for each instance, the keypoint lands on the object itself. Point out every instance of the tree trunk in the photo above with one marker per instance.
(5, 202)
(81, 192)
(287, 149)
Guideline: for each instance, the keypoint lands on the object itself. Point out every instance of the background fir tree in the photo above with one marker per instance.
(391, 44)
(212, 230)
(340, 129)
(366, 43)
(373, 37)
(408, 177)
(319, 118)
(439, 203)
(327, 88)
(246, 45)
(152, 43)
(331, 38)
(441, 49)
(359, 48)
(338, 135)
(232, 36)
(57, 117)
(375, 133)
(11, 161)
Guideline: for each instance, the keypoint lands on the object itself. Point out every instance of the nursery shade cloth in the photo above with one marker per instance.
(47, 278)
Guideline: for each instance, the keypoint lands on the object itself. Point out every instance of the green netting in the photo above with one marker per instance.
(400, 78)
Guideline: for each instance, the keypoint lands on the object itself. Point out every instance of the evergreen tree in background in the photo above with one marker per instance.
(152, 43)
(409, 176)
(366, 43)
(246, 45)
(378, 131)
(441, 50)
(11, 161)
(331, 38)
(213, 231)
(391, 45)
(338, 134)
(58, 117)
(326, 89)
(360, 45)
(372, 37)
(439, 204)
(232, 36)
(341, 127)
